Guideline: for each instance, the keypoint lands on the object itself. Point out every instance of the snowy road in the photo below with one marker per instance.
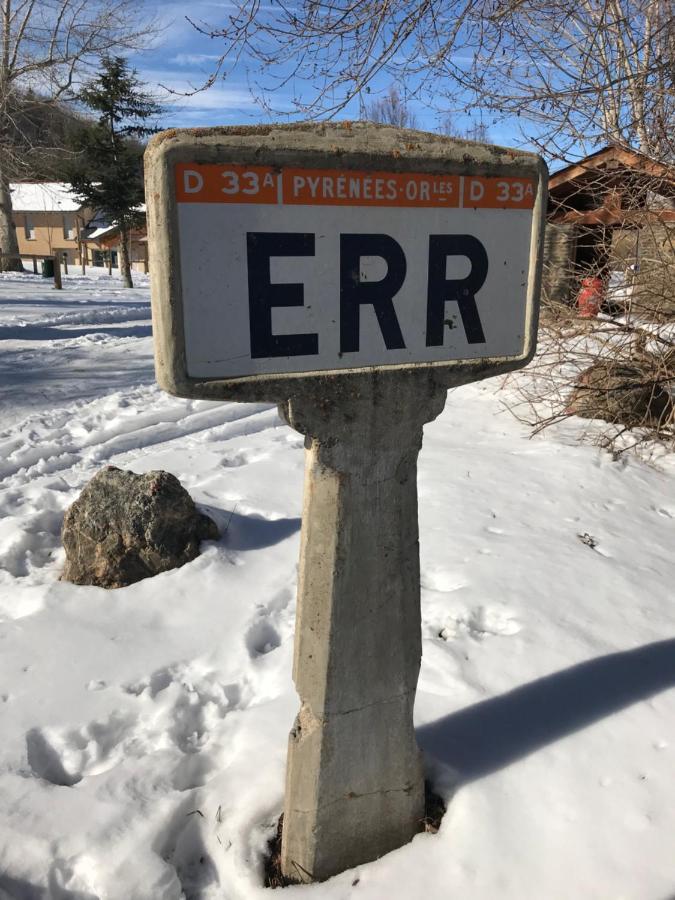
(61, 346)
(144, 730)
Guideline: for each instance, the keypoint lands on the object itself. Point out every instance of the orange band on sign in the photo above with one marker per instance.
(226, 184)
(343, 187)
(498, 193)
(339, 187)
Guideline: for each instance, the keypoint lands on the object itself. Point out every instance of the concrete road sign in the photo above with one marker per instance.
(326, 269)
(287, 251)
(351, 273)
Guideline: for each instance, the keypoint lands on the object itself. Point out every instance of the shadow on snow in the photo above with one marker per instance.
(252, 531)
(490, 735)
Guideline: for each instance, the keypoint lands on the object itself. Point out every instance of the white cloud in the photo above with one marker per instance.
(194, 59)
(188, 82)
(213, 98)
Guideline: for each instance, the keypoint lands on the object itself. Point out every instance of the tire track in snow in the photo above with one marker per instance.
(82, 435)
(28, 329)
(46, 458)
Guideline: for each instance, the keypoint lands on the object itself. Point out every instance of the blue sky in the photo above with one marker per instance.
(181, 59)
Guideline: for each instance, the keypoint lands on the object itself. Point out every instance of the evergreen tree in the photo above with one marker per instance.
(108, 173)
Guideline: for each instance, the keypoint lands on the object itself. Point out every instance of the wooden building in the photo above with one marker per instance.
(610, 214)
(100, 247)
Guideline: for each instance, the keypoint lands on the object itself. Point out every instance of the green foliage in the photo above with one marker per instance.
(108, 171)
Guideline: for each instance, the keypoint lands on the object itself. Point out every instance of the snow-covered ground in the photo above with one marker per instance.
(144, 729)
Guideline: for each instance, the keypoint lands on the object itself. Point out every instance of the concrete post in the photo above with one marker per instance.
(354, 783)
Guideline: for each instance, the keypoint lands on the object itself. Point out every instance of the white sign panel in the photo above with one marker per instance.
(304, 270)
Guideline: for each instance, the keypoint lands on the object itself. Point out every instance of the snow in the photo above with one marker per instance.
(45, 196)
(99, 232)
(144, 729)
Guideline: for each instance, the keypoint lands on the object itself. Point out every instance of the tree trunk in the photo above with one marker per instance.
(125, 265)
(11, 262)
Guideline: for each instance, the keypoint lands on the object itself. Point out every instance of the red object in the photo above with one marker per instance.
(590, 297)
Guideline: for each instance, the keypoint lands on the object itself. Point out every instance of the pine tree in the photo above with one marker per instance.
(108, 173)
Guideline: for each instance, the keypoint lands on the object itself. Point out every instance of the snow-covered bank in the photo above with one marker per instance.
(144, 730)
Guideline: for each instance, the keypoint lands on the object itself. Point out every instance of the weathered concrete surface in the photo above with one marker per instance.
(355, 787)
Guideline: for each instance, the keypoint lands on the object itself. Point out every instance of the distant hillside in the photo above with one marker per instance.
(40, 135)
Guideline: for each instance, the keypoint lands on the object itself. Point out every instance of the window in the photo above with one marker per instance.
(69, 231)
(29, 228)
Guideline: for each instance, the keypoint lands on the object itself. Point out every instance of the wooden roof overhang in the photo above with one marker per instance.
(611, 158)
(613, 218)
(621, 180)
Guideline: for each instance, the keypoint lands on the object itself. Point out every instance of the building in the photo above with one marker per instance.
(100, 247)
(48, 219)
(611, 216)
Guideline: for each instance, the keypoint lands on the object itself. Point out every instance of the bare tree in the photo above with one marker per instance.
(45, 47)
(391, 109)
(573, 72)
(579, 73)
(567, 76)
(475, 131)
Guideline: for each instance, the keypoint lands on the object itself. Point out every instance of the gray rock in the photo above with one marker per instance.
(125, 527)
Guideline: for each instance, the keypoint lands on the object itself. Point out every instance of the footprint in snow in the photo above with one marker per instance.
(195, 702)
(261, 638)
(239, 458)
(156, 683)
(280, 601)
(64, 756)
(201, 704)
(186, 704)
(436, 578)
(481, 622)
(34, 544)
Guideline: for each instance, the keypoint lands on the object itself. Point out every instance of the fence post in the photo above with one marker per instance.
(35, 266)
(109, 252)
(145, 259)
(57, 272)
(65, 262)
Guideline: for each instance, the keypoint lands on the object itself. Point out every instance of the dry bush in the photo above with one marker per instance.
(616, 367)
